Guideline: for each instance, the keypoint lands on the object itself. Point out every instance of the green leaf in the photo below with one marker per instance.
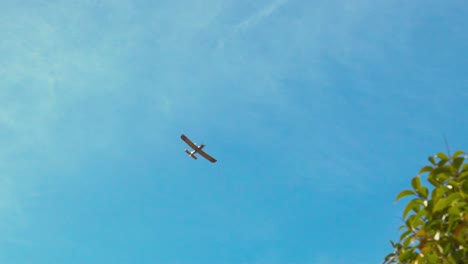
(463, 175)
(423, 192)
(465, 167)
(428, 205)
(452, 183)
(416, 183)
(443, 175)
(445, 202)
(440, 174)
(406, 243)
(457, 162)
(454, 211)
(432, 179)
(432, 258)
(405, 235)
(452, 222)
(441, 170)
(389, 257)
(464, 187)
(404, 193)
(408, 209)
(416, 222)
(408, 255)
(450, 259)
(458, 153)
(426, 169)
(442, 156)
(439, 192)
(441, 163)
(412, 205)
(421, 214)
(441, 250)
(432, 160)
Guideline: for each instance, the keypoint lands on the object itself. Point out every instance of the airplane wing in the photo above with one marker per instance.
(206, 156)
(188, 141)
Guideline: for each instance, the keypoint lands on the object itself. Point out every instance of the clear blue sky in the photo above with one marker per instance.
(319, 113)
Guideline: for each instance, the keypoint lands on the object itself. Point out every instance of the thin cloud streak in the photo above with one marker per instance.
(260, 15)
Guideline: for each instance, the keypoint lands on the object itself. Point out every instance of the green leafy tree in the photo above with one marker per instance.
(435, 228)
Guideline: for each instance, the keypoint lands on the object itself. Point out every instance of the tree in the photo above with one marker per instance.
(435, 228)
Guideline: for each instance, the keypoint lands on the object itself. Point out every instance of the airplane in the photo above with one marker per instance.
(197, 149)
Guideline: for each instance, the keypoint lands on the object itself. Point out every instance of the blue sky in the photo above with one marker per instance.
(319, 113)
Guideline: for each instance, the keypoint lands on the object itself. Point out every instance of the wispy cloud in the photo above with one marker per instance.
(55, 64)
(262, 14)
(293, 58)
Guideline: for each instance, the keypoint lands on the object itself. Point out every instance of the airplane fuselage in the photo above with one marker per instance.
(200, 147)
(195, 150)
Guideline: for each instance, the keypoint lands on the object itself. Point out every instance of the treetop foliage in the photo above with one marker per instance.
(435, 228)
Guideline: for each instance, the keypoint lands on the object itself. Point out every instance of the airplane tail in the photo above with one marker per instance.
(190, 154)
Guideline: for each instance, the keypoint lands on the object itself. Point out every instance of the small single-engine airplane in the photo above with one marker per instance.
(196, 149)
